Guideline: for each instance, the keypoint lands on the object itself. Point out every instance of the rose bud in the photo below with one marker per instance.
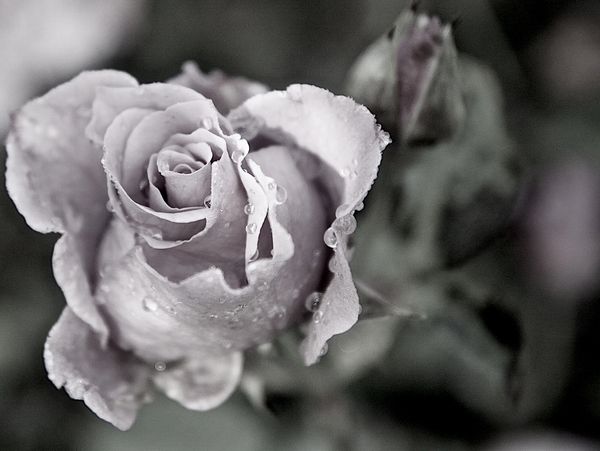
(409, 78)
(188, 236)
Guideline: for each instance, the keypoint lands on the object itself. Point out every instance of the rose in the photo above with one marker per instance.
(217, 229)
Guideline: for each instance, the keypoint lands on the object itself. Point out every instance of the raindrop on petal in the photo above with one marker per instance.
(251, 228)
(280, 195)
(208, 201)
(237, 156)
(160, 366)
(243, 146)
(324, 350)
(341, 210)
(317, 316)
(330, 238)
(149, 305)
(332, 265)
(313, 301)
(249, 208)
(345, 224)
(271, 186)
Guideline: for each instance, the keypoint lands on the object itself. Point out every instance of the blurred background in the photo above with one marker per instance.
(493, 237)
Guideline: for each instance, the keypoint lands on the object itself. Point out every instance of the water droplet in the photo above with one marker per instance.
(355, 161)
(160, 366)
(243, 146)
(251, 228)
(330, 238)
(313, 301)
(171, 310)
(345, 224)
(332, 265)
(249, 208)
(317, 316)
(384, 138)
(149, 305)
(213, 316)
(341, 210)
(345, 172)
(237, 156)
(324, 350)
(263, 286)
(280, 195)
(208, 201)
(271, 186)
(353, 174)
(254, 256)
(360, 309)
(360, 206)
(109, 206)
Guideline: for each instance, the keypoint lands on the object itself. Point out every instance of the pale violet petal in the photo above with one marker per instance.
(110, 102)
(55, 178)
(201, 382)
(110, 382)
(165, 320)
(226, 92)
(345, 137)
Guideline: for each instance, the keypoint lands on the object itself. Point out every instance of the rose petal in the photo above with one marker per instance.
(226, 92)
(55, 179)
(163, 320)
(351, 144)
(202, 382)
(221, 243)
(110, 102)
(129, 143)
(188, 189)
(110, 382)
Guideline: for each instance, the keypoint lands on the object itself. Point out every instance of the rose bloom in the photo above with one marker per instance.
(198, 218)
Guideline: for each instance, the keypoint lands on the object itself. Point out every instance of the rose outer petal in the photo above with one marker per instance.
(110, 382)
(226, 92)
(202, 382)
(55, 179)
(343, 135)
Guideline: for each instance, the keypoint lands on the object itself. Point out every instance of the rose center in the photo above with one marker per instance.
(178, 176)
